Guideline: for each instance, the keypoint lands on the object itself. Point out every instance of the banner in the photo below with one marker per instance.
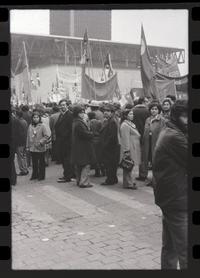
(22, 71)
(168, 68)
(147, 70)
(93, 90)
(164, 88)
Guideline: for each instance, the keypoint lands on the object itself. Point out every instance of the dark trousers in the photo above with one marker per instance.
(38, 164)
(174, 240)
(65, 158)
(111, 164)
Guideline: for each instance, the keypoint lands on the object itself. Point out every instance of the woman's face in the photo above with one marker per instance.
(166, 106)
(130, 116)
(36, 119)
(154, 111)
(82, 115)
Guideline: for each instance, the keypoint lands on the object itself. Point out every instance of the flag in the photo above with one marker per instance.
(147, 69)
(22, 69)
(108, 69)
(168, 68)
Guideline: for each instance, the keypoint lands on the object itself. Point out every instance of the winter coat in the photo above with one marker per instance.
(82, 147)
(95, 127)
(109, 142)
(52, 121)
(141, 113)
(27, 115)
(130, 141)
(170, 169)
(63, 129)
(15, 129)
(37, 136)
(22, 134)
(154, 127)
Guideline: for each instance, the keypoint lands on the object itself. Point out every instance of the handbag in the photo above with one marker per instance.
(127, 163)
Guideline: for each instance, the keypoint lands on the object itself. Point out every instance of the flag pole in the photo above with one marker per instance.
(28, 73)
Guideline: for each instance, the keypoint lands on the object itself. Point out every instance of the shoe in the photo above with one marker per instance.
(149, 184)
(61, 180)
(23, 173)
(130, 187)
(108, 183)
(140, 179)
(85, 185)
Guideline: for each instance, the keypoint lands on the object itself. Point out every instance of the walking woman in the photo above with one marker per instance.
(153, 126)
(82, 156)
(130, 144)
(36, 139)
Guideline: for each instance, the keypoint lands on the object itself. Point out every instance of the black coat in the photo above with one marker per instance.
(63, 128)
(15, 130)
(170, 169)
(141, 113)
(22, 135)
(82, 146)
(109, 142)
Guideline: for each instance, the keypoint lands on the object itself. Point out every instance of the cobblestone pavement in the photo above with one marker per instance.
(61, 226)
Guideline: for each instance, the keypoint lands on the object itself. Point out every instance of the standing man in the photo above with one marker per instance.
(141, 113)
(21, 149)
(170, 188)
(63, 132)
(109, 143)
(52, 121)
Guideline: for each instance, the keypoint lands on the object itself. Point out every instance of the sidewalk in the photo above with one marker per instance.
(61, 226)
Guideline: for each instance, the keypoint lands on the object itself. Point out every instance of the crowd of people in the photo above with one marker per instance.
(99, 136)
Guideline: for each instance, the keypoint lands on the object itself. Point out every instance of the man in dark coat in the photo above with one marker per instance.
(15, 128)
(170, 186)
(110, 147)
(63, 132)
(26, 114)
(21, 149)
(52, 121)
(83, 154)
(141, 113)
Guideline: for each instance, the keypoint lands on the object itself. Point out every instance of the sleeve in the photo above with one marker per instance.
(177, 148)
(45, 135)
(125, 137)
(28, 138)
(83, 133)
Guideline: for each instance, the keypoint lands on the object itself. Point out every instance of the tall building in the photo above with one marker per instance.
(74, 22)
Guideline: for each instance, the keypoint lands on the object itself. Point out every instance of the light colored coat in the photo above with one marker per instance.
(130, 141)
(37, 137)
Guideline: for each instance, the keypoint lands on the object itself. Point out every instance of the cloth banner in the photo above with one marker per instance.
(99, 90)
(164, 88)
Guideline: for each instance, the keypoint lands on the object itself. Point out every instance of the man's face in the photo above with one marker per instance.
(166, 106)
(63, 106)
(107, 114)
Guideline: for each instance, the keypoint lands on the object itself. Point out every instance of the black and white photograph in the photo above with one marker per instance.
(99, 139)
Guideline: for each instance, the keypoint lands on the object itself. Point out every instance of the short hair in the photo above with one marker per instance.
(172, 97)
(155, 103)
(25, 108)
(140, 100)
(68, 102)
(19, 113)
(124, 115)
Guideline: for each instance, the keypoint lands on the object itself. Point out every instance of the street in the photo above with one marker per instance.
(61, 226)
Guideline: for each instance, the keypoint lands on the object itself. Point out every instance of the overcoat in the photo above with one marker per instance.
(63, 130)
(153, 126)
(130, 141)
(82, 147)
(109, 142)
(170, 169)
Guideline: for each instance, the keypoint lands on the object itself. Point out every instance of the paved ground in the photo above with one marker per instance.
(61, 226)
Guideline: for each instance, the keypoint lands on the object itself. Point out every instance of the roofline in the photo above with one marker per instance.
(92, 40)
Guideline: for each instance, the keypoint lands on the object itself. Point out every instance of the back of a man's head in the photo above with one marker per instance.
(141, 100)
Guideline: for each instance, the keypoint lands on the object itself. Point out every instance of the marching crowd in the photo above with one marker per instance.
(104, 136)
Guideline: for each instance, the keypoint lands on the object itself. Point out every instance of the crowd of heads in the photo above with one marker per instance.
(107, 108)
